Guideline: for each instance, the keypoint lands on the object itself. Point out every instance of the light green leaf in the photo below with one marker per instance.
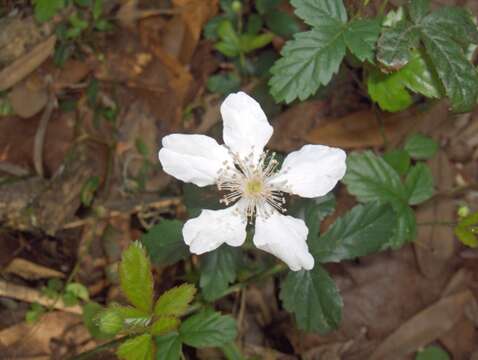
(132, 317)
(432, 353)
(164, 325)
(165, 243)
(230, 44)
(250, 43)
(79, 290)
(399, 160)
(388, 90)
(136, 280)
(363, 230)
(175, 301)
(46, 9)
(370, 178)
(218, 270)
(208, 329)
(308, 61)
(467, 230)
(90, 313)
(168, 347)
(421, 147)
(137, 348)
(110, 321)
(313, 298)
(395, 43)
(361, 36)
(419, 184)
(326, 13)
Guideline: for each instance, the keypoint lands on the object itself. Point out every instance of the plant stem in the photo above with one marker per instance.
(439, 223)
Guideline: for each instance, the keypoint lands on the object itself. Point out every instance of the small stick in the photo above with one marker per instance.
(40, 136)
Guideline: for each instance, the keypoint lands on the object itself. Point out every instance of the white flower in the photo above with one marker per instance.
(253, 185)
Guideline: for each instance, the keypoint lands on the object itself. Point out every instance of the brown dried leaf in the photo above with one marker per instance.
(31, 271)
(28, 97)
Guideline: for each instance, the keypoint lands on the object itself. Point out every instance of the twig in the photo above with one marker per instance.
(40, 136)
(12, 169)
(26, 294)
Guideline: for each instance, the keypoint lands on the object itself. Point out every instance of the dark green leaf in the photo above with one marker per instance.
(196, 198)
(321, 13)
(313, 298)
(168, 347)
(421, 147)
(137, 348)
(264, 6)
(230, 44)
(363, 230)
(361, 36)
(231, 352)
(210, 29)
(254, 24)
(164, 242)
(218, 270)
(208, 329)
(399, 160)
(281, 23)
(405, 229)
(418, 9)
(46, 9)
(136, 279)
(419, 184)
(175, 301)
(394, 44)
(370, 178)
(308, 61)
(432, 353)
(224, 83)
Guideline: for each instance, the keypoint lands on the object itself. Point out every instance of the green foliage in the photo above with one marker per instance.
(445, 34)
(137, 348)
(110, 321)
(432, 353)
(399, 160)
(311, 58)
(164, 242)
(164, 324)
(421, 147)
(281, 23)
(175, 301)
(313, 298)
(34, 313)
(168, 346)
(88, 190)
(207, 329)
(363, 230)
(467, 230)
(419, 184)
(136, 279)
(46, 9)
(91, 311)
(223, 83)
(218, 270)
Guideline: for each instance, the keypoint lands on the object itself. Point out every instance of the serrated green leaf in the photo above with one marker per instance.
(418, 9)
(467, 230)
(46, 9)
(110, 321)
(361, 36)
(421, 147)
(394, 44)
(363, 230)
(313, 298)
(432, 353)
(137, 348)
(164, 325)
(168, 347)
(132, 317)
(90, 313)
(399, 160)
(458, 75)
(370, 178)
(419, 184)
(164, 242)
(388, 91)
(208, 329)
(175, 301)
(405, 229)
(218, 270)
(136, 279)
(326, 13)
(281, 23)
(308, 61)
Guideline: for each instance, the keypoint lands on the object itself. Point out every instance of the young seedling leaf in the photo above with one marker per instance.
(164, 324)
(136, 279)
(175, 301)
(313, 298)
(137, 348)
(421, 147)
(208, 329)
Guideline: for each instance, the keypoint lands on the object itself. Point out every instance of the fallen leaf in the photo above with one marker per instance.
(31, 271)
(424, 327)
(28, 97)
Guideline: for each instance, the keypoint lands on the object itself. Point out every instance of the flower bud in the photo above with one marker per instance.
(110, 322)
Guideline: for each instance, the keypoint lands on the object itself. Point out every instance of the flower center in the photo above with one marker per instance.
(250, 180)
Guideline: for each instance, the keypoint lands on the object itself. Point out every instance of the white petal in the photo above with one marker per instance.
(312, 171)
(193, 158)
(284, 237)
(212, 228)
(246, 128)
